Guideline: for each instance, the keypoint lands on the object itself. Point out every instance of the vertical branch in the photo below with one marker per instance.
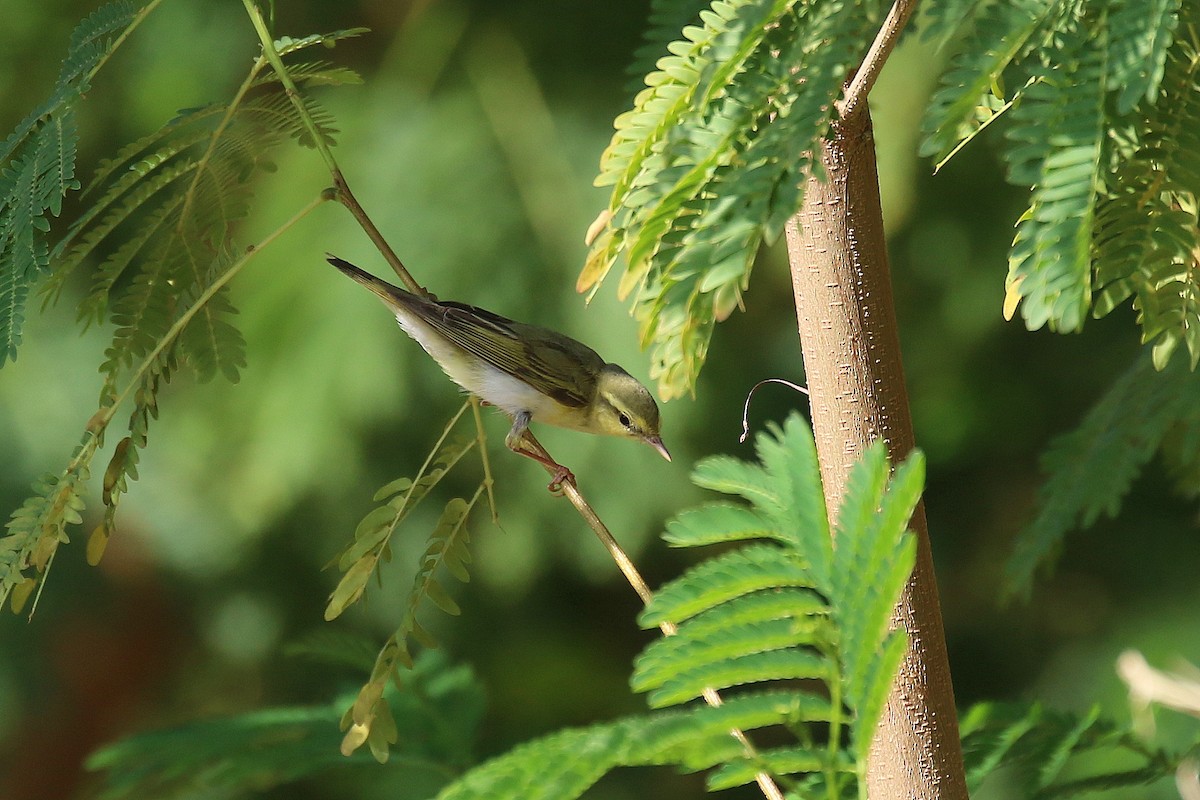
(855, 378)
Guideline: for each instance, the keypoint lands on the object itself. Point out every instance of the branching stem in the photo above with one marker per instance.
(347, 199)
(341, 187)
(231, 110)
(137, 20)
(101, 418)
(885, 41)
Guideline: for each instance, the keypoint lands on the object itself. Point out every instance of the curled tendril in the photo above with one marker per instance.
(750, 396)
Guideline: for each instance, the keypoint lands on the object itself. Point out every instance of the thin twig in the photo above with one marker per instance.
(481, 436)
(347, 199)
(885, 41)
(342, 189)
(99, 421)
(624, 563)
(137, 20)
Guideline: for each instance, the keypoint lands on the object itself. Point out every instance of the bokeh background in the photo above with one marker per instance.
(472, 144)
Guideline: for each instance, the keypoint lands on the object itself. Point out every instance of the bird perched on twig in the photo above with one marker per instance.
(533, 374)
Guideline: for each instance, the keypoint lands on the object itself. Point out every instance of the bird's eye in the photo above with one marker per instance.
(624, 420)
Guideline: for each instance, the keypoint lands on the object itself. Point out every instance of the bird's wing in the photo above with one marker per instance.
(549, 362)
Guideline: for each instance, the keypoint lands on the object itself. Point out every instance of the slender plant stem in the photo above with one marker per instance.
(101, 418)
(347, 199)
(341, 187)
(190, 195)
(137, 20)
(624, 563)
(877, 55)
(289, 86)
(481, 435)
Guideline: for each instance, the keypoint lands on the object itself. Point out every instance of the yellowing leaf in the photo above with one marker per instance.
(96, 545)
(20, 594)
(1012, 296)
(354, 738)
(350, 587)
(598, 224)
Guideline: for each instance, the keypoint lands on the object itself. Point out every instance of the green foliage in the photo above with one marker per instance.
(368, 720)
(1105, 113)
(944, 20)
(165, 208)
(37, 167)
(1091, 468)
(1051, 258)
(39, 526)
(973, 90)
(1147, 228)
(439, 709)
(711, 162)
(1056, 755)
(664, 21)
(792, 629)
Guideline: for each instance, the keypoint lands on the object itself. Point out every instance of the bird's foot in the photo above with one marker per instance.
(561, 475)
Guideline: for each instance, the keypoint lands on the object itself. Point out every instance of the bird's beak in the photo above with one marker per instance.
(657, 443)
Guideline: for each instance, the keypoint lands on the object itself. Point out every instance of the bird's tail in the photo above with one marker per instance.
(391, 295)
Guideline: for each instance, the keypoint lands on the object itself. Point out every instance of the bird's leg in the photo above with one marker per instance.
(514, 442)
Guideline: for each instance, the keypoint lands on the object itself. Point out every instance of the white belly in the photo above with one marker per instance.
(486, 382)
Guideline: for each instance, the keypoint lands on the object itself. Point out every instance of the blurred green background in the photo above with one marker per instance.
(472, 144)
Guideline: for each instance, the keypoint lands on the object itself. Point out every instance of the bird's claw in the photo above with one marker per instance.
(561, 475)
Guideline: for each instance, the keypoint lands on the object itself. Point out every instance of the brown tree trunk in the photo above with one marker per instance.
(852, 363)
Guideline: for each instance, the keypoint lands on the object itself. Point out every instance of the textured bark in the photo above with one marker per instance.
(848, 333)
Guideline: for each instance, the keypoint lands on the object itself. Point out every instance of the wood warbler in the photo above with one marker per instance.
(533, 374)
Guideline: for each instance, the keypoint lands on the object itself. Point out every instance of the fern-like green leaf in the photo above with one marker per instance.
(940, 22)
(1055, 754)
(710, 162)
(873, 558)
(684, 684)
(367, 721)
(1105, 120)
(1141, 33)
(1147, 226)
(314, 73)
(1050, 267)
(37, 168)
(287, 45)
(731, 476)
(742, 770)
(756, 621)
(972, 90)
(686, 650)
(210, 343)
(716, 522)
(805, 606)
(39, 526)
(724, 578)
(260, 750)
(1091, 468)
(162, 223)
(372, 538)
(550, 768)
(696, 738)
(664, 21)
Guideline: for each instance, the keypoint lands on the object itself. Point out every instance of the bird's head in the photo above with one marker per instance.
(623, 407)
